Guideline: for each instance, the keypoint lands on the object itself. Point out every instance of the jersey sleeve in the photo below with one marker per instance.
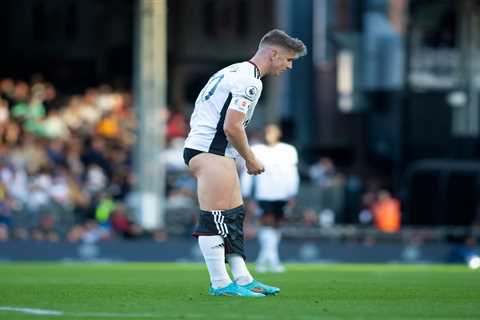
(245, 91)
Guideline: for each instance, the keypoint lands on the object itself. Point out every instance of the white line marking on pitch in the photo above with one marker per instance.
(39, 312)
(44, 312)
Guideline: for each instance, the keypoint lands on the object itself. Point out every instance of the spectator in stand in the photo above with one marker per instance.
(173, 155)
(108, 126)
(30, 112)
(4, 115)
(96, 154)
(33, 153)
(56, 152)
(96, 180)
(54, 126)
(21, 92)
(386, 212)
(46, 230)
(7, 89)
(5, 213)
(123, 225)
(176, 125)
(323, 171)
(365, 216)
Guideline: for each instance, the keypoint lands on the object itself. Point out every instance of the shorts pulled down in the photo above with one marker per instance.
(225, 223)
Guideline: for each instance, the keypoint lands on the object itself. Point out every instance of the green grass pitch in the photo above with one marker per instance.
(179, 291)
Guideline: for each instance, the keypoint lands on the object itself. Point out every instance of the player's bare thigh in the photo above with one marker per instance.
(218, 185)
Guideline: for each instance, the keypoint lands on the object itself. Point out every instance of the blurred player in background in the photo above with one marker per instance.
(217, 137)
(272, 191)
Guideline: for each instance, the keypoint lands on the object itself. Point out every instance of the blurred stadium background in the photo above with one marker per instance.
(96, 97)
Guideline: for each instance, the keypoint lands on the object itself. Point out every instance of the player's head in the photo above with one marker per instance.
(272, 134)
(280, 50)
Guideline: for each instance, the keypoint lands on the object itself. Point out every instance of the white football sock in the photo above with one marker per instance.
(240, 273)
(268, 256)
(275, 258)
(213, 251)
(262, 259)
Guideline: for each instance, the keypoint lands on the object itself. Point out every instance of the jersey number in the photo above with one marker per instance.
(210, 88)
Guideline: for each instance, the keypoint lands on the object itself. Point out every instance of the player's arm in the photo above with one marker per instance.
(235, 132)
(236, 135)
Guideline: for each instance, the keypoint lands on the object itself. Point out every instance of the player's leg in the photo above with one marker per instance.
(262, 264)
(235, 256)
(275, 263)
(234, 247)
(266, 237)
(216, 183)
(269, 236)
(278, 212)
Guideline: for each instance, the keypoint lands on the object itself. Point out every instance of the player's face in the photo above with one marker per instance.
(272, 134)
(282, 60)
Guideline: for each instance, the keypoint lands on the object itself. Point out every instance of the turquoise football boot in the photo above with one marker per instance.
(234, 290)
(257, 286)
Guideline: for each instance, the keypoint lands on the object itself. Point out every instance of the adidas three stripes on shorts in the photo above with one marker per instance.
(225, 223)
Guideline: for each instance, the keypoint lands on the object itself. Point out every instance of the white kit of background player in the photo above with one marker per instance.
(272, 191)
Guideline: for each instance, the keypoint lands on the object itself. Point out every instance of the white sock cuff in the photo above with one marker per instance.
(208, 243)
(239, 269)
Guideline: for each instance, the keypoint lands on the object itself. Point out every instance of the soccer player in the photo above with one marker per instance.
(276, 188)
(217, 137)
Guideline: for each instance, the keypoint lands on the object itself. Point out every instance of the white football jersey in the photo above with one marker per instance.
(237, 87)
(280, 181)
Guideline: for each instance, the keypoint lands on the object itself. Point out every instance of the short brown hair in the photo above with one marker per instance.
(280, 38)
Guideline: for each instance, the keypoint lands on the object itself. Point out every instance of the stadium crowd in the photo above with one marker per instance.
(65, 162)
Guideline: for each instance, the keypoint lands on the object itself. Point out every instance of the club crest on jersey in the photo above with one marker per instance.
(251, 92)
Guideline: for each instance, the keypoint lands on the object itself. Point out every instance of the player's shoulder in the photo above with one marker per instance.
(287, 146)
(243, 73)
(240, 78)
(244, 69)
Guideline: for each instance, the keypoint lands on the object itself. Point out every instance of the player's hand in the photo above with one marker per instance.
(254, 167)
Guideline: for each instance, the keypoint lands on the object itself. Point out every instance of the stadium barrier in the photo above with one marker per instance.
(186, 250)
